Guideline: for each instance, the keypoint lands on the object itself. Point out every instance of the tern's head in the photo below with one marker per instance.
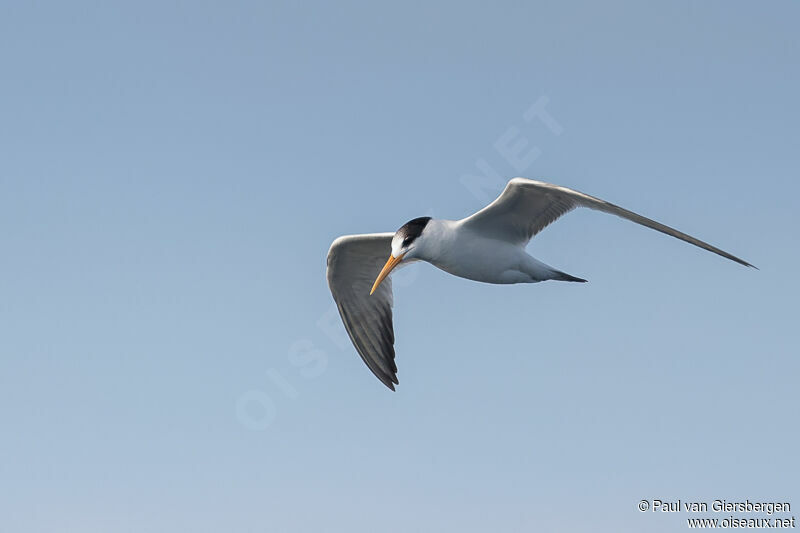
(404, 244)
(405, 239)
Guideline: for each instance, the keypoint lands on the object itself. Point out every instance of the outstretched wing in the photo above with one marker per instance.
(354, 261)
(526, 207)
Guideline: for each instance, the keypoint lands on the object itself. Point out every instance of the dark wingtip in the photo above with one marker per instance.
(390, 380)
(745, 263)
(738, 260)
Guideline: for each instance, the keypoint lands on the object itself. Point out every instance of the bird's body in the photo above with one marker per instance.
(461, 251)
(488, 246)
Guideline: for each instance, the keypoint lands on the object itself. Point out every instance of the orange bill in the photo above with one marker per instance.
(388, 267)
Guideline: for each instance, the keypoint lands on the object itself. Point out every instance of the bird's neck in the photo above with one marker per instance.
(436, 240)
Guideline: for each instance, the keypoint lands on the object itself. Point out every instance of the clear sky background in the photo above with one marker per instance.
(173, 173)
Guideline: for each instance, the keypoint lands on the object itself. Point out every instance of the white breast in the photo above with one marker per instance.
(460, 252)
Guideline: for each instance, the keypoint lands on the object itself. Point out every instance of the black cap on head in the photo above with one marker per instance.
(412, 229)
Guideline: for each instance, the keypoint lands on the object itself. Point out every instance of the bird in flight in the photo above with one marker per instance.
(488, 246)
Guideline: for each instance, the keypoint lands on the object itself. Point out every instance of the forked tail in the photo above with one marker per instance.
(563, 276)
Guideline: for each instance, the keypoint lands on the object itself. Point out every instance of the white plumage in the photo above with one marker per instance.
(487, 246)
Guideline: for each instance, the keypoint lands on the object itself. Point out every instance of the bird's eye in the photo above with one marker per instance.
(406, 242)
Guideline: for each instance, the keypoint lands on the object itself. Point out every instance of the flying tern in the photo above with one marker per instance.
(488, 246)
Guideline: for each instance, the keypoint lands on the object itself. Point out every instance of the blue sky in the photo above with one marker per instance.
(172, 175)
